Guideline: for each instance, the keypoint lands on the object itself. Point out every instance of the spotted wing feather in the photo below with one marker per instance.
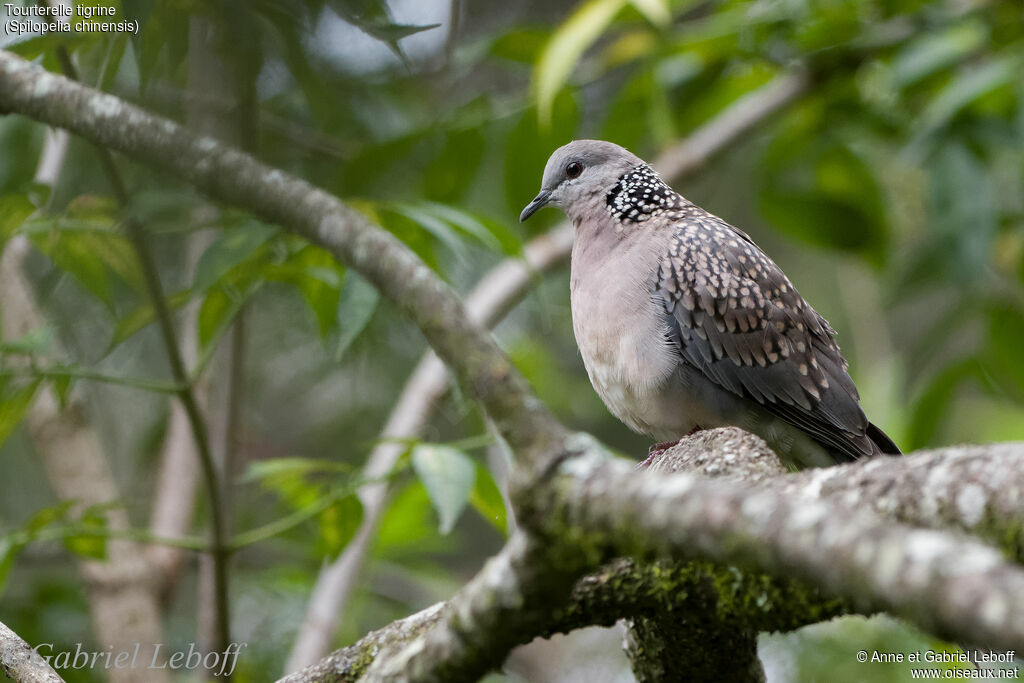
(734, 315)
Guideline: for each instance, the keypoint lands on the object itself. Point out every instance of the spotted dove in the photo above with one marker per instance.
(684, 323)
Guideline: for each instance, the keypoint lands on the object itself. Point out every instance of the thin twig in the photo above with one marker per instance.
(66, 371)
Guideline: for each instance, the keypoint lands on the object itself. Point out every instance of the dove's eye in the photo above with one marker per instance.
(573, 169)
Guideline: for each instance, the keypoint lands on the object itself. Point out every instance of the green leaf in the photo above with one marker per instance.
(656, 11)
(37, 340)
(567, 45)
(298, 481)
(965, 89)
(527, 148)
(356, 305)
(392, 33)
(522, 45)
(486, 499)
(83, 242)
(338, 525)
(14, 402)
(438, 228)
(963, 212)
(14, 209)
(163, 27)
(30, 46)
(86, 544)
(274, 467)
(8, 553)
(217, 311)
(318, 277)
(448, 475)
(142, 316)
(74, 256)
(428, 213)
(1003, 348)
(229, 250)
(374, 18)
(62, 388)
(453, 171)
(821, 192)
(112, 61)
(44, 517)
(407, 526)
(138, 10)
(933, 52)
(116, 253)
(21, 139)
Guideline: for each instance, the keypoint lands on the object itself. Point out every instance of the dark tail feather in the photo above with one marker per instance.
(884, 443)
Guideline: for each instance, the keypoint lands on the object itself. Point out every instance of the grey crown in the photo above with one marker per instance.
(684, 323)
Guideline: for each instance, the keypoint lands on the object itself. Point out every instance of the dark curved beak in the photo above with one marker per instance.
(538, 203)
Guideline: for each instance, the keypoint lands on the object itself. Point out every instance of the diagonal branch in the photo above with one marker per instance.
(21, 663)
(949, 584)
(238, 179)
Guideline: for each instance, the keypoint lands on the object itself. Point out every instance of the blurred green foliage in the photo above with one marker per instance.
(891, 193)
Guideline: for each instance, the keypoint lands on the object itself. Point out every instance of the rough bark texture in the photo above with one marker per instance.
(947, 583)
(21, 663)
(720, 607)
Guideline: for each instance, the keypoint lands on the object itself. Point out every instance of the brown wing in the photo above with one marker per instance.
(735, 316)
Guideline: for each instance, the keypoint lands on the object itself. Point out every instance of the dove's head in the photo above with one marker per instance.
(579, 171)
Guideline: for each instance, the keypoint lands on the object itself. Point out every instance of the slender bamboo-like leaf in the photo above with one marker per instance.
(565, 48)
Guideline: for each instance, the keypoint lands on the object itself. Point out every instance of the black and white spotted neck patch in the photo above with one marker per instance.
(641, 194)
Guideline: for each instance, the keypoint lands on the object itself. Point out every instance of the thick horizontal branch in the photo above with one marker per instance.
(947, 583)
(979, 489)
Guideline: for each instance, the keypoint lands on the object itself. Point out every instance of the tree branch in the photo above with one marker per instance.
(949, 584)
(576, 508)
(21, 663)
(895, 558)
